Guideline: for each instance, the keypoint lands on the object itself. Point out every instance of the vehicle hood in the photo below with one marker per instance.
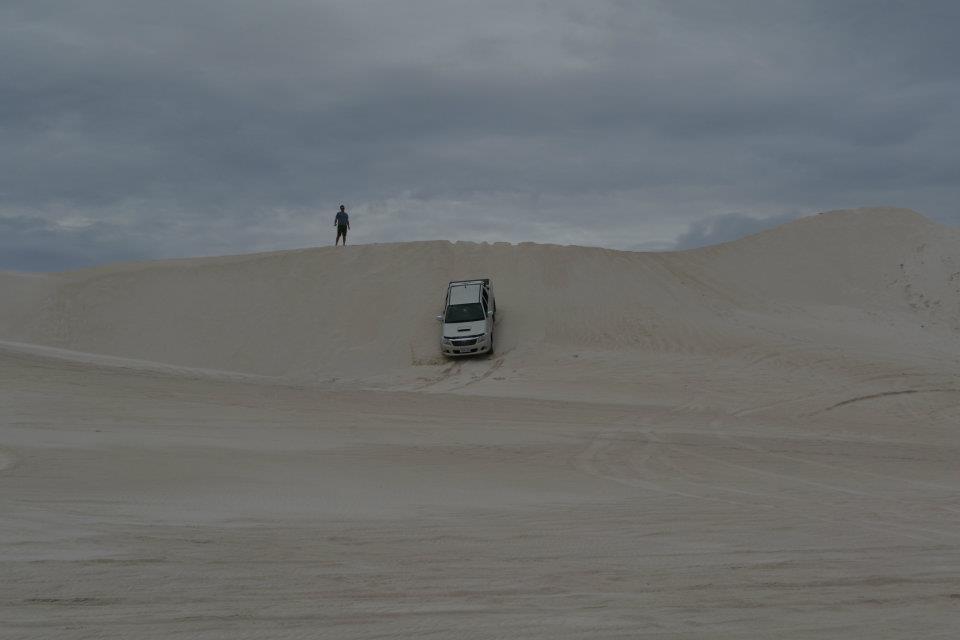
(456, 329)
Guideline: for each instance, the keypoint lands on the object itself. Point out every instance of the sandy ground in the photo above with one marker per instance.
(730, 447)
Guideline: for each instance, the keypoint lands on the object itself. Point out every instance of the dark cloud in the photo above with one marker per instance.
(237, 126)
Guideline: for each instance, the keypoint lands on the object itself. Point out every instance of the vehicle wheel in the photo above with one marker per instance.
(490, 352)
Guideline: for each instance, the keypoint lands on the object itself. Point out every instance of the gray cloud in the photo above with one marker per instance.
(34, 244)
(727, 227)
(215, 127)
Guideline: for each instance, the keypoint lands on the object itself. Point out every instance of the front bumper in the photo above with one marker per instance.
(466, 345)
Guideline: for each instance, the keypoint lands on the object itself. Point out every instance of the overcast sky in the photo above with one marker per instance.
(133, 129)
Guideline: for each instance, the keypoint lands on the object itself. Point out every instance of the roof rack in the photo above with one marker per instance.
(485, 281)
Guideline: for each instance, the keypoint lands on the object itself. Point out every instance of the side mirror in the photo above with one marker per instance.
(439, 318)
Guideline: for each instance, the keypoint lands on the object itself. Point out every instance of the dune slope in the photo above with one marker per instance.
(752, 440)
(363, 310)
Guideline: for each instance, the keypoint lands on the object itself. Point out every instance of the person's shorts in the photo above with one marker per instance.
(341, 231)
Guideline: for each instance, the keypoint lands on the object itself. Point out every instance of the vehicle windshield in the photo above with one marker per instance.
(464, 312)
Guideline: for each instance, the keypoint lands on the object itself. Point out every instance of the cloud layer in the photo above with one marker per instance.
(210, 127)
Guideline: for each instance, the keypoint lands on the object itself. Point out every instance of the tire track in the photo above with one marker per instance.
(591, 461)
(884, 394)
(822, 486)
(608, 457)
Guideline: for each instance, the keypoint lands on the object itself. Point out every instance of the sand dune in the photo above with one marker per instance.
(755, 439)
(368, 309)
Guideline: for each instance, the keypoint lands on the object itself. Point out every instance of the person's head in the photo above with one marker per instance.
(342, 208)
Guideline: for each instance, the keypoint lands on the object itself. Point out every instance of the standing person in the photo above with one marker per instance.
(343, 225)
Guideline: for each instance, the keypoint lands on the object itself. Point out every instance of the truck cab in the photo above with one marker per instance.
(468, 318)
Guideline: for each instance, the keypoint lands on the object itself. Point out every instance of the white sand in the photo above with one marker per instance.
(754, 440)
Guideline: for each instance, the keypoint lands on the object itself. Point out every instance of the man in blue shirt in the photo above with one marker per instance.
(343, 224)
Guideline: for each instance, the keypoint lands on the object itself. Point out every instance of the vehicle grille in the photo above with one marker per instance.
(463, 343)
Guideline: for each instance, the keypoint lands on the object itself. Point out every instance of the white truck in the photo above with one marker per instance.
(468, 318)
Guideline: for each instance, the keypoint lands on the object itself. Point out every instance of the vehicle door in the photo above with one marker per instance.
(443, 315)
(487, 315)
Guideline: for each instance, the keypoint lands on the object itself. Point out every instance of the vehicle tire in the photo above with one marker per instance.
(490, 350)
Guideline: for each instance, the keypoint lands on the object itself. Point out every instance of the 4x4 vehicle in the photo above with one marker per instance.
(469, 313)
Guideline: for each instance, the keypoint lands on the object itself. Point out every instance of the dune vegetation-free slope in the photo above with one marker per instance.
(753, 439)
(367, 309)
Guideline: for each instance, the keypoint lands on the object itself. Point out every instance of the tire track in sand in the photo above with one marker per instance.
(598, 460)
(622, 455)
